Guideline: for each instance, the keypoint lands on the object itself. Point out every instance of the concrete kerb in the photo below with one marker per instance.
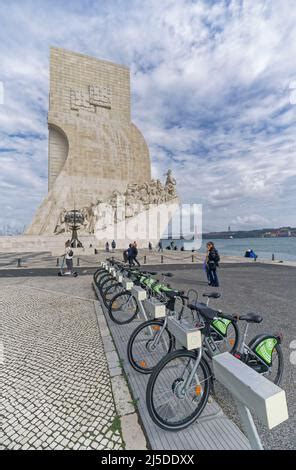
(132, 432)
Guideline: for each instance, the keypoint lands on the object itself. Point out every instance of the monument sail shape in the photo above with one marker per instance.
(95, 153)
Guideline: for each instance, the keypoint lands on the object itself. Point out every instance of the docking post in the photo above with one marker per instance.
(161, 259)
(19, 263)
(58, 261)
(78, 262)
(272, 258)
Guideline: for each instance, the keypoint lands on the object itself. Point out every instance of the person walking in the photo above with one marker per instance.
(212, 260)
(113, 244)
(160, 248)
(130, 255)
(107, 247)
(150, 246)
(69, 257)
(135, 254)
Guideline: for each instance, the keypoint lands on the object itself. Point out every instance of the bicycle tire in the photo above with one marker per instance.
(105, 284)
(112, 311)
(97, 273)
(105, 297)
(102, 279)
(185, 422)
(140, 365)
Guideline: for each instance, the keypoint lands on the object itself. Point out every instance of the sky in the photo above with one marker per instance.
(213, 91)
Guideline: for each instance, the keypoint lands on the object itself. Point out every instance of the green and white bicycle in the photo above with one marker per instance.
(179, 385)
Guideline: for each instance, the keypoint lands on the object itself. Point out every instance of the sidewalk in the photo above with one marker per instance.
(34, 260)
(57, 391)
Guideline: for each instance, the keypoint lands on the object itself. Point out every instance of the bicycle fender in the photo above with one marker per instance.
(263, 345)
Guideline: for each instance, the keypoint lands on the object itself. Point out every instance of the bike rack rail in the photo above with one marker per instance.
(253, 393)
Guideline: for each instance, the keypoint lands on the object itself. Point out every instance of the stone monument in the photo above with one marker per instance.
(98, 163)
(93, 147)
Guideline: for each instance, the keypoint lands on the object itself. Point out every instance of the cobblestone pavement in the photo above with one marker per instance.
(57, 391)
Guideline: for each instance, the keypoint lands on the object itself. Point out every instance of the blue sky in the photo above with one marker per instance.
(212, 92)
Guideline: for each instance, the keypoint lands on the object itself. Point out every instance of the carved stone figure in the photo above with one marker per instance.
(61, 226)
(119, 206)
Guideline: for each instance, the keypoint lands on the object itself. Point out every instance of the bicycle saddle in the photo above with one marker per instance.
(203, 310)
(212, 295)
(251, 318)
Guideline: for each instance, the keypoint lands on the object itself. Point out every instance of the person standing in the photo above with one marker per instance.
(69, 257)
(150, 246)
(160, 248)
(107, 247)
(212, 261)
(113, 244)
(135, 253)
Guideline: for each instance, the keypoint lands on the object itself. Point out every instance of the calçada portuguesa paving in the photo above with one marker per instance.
(56, 390)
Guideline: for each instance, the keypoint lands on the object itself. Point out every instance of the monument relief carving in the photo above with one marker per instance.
(119, 207)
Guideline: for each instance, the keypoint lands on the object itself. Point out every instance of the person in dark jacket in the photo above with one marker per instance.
(135, 253)
(212, 261)
(129, 253)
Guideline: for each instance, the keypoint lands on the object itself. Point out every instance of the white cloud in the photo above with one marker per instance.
(211, 94)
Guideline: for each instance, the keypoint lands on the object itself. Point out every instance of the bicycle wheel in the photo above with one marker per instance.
(106, 283)
(102, 279)
(123, 308)
(171, 406)
(98, 273)
(111, 291)
(148, 344)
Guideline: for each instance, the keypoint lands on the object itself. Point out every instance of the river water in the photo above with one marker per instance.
(283, 248)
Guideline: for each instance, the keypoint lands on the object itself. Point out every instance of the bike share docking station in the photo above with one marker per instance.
(253, 394)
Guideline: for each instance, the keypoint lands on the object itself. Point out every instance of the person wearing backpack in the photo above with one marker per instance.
(69, 256)
(212, 262)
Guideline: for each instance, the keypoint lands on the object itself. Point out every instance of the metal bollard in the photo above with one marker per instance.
(78, 262)
(192, 258)
(161, 258)
(19, 263)
(144, 259)
(272, 258)
(58, 261)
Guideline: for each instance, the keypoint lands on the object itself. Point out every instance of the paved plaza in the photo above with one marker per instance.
(57, 391)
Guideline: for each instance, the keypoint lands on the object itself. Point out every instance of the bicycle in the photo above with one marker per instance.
(152, 340)
(179, 386)
(123, 307)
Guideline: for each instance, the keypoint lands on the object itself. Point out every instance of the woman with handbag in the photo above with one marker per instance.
(212, 259)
